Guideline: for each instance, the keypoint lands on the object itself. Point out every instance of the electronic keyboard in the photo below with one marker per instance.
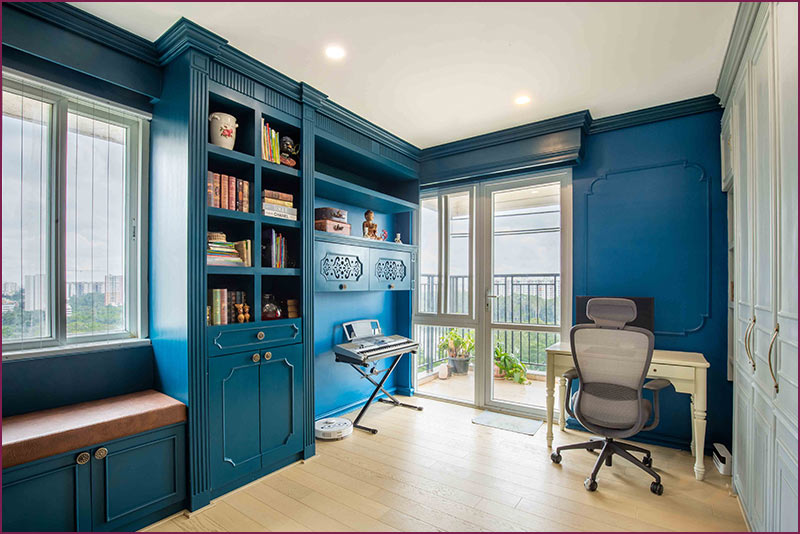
(364, 350)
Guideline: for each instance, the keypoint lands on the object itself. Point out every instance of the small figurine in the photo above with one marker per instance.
(239, 312)
(368, 227)
(397, 239)
(289, 149)
(384, 235)
(247, 313)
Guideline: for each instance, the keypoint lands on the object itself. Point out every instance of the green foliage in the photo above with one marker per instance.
(510, 365)
(456, 345)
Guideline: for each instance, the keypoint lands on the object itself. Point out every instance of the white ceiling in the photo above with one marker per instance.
(438, 72)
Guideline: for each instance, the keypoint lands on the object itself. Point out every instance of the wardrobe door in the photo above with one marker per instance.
(742, 400)
(784, 513)
(784, 355)
(763, 186)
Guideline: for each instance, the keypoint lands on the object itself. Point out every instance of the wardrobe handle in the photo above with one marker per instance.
(747, 342)
(769, 355)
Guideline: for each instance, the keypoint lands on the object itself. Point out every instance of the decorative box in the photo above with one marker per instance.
(330, 214)
(335, 227)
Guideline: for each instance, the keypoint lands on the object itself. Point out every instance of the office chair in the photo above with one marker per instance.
(611, 363)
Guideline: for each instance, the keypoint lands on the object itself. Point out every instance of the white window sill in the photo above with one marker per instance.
(78, 348)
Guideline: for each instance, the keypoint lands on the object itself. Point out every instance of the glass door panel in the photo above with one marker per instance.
(428, 291)
(524, 292)
(446, 362)
(459, 283)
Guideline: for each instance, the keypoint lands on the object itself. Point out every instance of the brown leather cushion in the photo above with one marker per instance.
(36, 435)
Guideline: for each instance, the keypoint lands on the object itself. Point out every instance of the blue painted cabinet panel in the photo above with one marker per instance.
(281, 403)
(390, 270)
(340, 267)
(139, 475)
(229, 338)
(234, 416)
(48, 495)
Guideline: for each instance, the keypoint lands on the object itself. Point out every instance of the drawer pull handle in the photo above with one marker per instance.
(101, 453)
(769, 355)
(256, 357)
(82, 458)
(342, 286)
(391, 286)
(267, 355)
(260, 335)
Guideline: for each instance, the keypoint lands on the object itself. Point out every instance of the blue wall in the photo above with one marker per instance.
(650, 220)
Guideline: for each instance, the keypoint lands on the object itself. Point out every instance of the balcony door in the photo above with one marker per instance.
(494, 289)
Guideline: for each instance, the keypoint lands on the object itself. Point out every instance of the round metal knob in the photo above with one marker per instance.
(101, 453)
(260, 335)
(256, 357)
(391, 286)
(267, 355)
(342, 286)
(82, 458)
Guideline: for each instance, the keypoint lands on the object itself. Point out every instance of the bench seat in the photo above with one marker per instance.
(45, 433)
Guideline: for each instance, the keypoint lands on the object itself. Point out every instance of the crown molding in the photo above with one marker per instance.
(91, 27)
(673, 110)
(183, 35)
(742, 27)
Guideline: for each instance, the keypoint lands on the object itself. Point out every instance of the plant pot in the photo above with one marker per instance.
(497, 372)
(460, 366)
(222, 130)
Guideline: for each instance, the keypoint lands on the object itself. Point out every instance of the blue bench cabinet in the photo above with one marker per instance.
(390, 270)
(340, 267)
(124, 484)
(256, 411)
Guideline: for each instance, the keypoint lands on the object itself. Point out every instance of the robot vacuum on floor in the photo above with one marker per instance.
(333, 428)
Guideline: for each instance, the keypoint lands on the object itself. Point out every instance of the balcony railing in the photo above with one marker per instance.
(530, 299)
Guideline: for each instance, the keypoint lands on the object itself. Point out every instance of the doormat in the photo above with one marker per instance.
(508, 422)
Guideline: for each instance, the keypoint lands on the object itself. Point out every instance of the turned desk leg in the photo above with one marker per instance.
(562, 403)
(699, 422)
(550, 390)
(691, 415)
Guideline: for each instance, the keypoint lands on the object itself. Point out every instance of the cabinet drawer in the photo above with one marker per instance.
(670, 371)
(390, 270)
(230, 338)
(340, 267)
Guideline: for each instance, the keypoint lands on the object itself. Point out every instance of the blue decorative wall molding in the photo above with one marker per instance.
(692, 171)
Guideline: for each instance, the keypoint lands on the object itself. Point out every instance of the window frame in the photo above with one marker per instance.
(136, 124)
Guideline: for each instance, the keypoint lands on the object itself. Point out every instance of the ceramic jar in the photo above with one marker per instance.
(222, 130)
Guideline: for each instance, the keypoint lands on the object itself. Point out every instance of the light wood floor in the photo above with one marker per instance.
(435, 470)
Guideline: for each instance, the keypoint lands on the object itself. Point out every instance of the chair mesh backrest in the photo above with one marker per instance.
(612, 361)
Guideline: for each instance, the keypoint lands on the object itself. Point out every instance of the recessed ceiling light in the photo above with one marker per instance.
(335, 52)
(522, 100)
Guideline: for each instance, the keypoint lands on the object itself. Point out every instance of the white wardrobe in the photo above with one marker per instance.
(759, 162)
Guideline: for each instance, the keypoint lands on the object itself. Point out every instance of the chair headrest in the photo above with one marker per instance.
(610, 312)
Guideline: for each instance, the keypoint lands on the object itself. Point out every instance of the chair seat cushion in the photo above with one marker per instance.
(37, 435)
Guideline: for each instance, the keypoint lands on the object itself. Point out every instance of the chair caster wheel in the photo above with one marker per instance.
(648, 461)
(590, 484)
(657, 488)
(556, 458)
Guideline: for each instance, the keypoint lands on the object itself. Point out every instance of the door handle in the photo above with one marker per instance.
(769, 355)
(747, 342)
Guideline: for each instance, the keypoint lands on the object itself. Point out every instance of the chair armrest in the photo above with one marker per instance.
(657, 384)
(570, 375)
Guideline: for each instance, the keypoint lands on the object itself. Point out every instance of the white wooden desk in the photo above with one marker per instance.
(686, 371)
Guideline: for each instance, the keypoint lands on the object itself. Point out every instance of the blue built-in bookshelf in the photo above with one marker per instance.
(254, 388)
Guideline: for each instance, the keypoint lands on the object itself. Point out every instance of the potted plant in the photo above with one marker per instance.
(508, 366)
(459, 350)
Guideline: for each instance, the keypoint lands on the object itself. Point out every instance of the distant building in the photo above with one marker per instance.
(9, 305)
(34, 287)
(77, 289)
(10, 288)
(115, 290)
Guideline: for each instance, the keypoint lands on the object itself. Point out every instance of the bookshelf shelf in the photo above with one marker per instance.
(215, 151)
(275, 221)
(361, 241)
(230, 270)
(333, 188)
(285, 271)
(219, 213)
(281, 169)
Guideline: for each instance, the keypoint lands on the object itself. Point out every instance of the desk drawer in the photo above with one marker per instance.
(658, 370)
(232, 338)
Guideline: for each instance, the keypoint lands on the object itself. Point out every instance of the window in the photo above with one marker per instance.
(72, 185)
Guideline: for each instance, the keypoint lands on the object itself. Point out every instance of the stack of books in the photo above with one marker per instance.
(270, 143)
(228, 192)
(292, 308)
(222, 252)
(222, 306)
(275, 249)
(277, 204)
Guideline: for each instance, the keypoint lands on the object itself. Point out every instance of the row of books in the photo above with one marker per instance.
(275, 253)
(278, 204)
(228, 192)
(223, 309)
(292, 308)
(270, 143)
(222, 252)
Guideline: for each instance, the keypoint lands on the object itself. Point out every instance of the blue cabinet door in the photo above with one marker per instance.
(340, 267)
(281, 403)
(234, 416)
(136, 476)
(53, 494)
(390, 270)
